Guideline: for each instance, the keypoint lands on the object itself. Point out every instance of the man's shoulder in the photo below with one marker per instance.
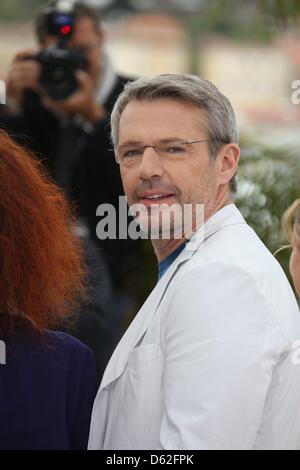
(123, 79)
(117, 88)
(234, 263)
(236, 245)
(120, 82)
(234, 253)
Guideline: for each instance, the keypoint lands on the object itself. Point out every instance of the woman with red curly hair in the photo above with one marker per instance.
(47, 378)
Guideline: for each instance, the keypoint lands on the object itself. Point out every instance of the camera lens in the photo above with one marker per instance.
(59, 66)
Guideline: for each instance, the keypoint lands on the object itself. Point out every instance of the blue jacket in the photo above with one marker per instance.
(47, 389)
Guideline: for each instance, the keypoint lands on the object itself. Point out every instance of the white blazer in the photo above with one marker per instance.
(208, 361)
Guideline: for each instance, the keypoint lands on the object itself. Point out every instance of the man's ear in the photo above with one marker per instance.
(228, 157)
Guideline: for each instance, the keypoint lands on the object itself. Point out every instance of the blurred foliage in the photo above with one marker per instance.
(269, 181)
(230, 18)
(280, 10)
(19, 9)
(239, 18)
(258, 19)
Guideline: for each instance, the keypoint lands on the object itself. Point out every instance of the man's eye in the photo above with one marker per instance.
(175, 149)
(133, 153)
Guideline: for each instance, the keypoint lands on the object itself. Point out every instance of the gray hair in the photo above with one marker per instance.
(220, 118)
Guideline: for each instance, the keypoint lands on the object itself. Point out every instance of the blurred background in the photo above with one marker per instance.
(249, 48)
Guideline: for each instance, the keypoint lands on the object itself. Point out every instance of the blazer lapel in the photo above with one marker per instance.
(140, 324)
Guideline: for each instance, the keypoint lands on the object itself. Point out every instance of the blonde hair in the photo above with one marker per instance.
(291, 224)
(291, 221)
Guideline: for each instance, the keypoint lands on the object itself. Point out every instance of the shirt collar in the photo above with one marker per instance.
(106, 82)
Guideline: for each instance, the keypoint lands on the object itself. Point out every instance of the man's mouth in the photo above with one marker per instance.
(149, 198)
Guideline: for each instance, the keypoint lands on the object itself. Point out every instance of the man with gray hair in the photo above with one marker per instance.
(209, 361)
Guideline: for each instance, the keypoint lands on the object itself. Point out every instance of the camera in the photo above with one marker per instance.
(59, 63)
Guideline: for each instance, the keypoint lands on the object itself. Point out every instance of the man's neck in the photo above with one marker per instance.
(164, 247)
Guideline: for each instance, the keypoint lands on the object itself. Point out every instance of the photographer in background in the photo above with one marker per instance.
(60, 96)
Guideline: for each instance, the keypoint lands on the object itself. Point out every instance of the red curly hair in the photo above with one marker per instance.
(41, 261)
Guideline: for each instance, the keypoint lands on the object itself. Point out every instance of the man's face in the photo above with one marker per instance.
(188, 179)
(85, 39)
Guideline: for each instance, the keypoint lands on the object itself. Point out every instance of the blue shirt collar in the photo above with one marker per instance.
(164, 265)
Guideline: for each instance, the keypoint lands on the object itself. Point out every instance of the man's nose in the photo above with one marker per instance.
(151, 164)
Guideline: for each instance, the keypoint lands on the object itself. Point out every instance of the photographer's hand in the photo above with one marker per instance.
(81, 102)
(23, 73)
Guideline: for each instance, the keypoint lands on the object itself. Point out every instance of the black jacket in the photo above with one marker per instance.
(95, 174)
